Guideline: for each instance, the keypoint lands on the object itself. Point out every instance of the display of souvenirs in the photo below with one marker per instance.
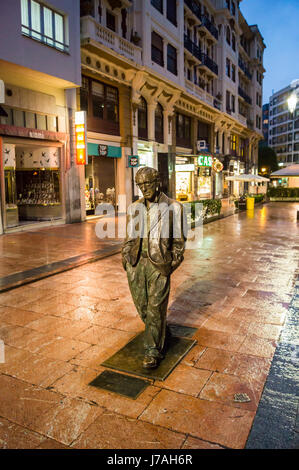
(35, 188)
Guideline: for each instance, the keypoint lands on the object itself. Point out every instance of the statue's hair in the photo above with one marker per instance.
(151, 172)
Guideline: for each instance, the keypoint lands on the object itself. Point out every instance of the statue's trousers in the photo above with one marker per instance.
(150, 293)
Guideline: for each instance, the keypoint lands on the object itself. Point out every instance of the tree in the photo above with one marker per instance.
(267, 161)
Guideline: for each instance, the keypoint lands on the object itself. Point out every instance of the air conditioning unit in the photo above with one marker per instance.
(201, 145)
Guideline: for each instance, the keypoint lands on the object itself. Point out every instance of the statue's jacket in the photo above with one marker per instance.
(163, 225)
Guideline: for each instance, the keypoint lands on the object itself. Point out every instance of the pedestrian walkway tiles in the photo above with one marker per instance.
(276, 425)
(30, 275)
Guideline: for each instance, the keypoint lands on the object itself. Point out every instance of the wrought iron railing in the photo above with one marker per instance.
(244, 95)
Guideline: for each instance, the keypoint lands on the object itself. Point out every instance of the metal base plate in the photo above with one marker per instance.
(129, 358)
(125, 385)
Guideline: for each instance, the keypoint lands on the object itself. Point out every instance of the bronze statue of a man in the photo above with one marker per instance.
(152, 250)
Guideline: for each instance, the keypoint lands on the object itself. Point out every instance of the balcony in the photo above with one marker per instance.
(206, 23)
(242, 120)
(91, 29)
(192, 47)
(199, 92)
(244, 95)
(245, 69)
(195, 9)
(209, 63)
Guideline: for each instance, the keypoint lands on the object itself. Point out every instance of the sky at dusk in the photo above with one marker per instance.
(278, 22)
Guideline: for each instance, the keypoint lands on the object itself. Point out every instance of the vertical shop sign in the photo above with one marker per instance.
(80, 133)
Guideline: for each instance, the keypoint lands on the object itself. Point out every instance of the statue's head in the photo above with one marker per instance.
(148, 181)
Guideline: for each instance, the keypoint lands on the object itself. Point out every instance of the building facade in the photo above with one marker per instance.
(176, 85)
(188, 76)
(39, 73)
(284, 125)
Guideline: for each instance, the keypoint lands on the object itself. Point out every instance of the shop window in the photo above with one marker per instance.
(18, 118)
(43, 24)
(110, 21)
(183, 130)
(171, 11)
(41, 122)
(172, 59)
(142, 119)
(8, 120)
(159, 124)
(157, 49)
(52, 123)
(30, 120)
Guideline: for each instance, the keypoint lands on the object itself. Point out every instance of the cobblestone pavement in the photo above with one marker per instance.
(235, 289)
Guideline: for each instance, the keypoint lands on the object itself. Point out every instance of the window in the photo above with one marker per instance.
(172, 59)
(157, 49)
(159, 124)
(110, 21)
(233, 41)
(43, 24)
(142, 119)
(233, 73)
(183, 130)
(101, 103)
(228, 101)
(233, 9)
(233, 104)
(171, 11)
(228, 35)
(233, 143)
(158, 4)
(228, 67)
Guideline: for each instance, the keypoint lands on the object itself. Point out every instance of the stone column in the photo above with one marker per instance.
(74, 174)
(151, 106)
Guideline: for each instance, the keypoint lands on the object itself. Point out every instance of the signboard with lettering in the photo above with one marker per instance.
(103, 150)
(81, 140)
(133, 161)
(205, 160)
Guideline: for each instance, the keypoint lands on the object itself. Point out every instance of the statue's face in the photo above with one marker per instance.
(148, 186)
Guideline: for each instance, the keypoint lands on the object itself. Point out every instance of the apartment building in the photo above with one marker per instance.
(284, 125)
(39, 74)
(187, 79)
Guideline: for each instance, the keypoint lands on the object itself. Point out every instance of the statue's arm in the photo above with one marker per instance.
(179, 240)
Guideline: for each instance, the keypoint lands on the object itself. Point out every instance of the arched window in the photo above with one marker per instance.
(159, 124)
(142, 119)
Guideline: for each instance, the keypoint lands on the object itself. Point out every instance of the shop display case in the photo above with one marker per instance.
(38, 194)
(12, 216)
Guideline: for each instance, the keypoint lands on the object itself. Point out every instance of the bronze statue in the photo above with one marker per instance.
(153, 249)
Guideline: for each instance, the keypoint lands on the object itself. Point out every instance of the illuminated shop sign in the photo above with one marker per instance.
(204, 160)
(187, 167)
(80, 134)
(133, 161)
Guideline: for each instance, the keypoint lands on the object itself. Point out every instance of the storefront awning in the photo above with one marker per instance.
(105, 150)
(247, 178)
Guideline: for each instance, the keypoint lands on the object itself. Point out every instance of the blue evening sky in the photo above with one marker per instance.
(278, 22)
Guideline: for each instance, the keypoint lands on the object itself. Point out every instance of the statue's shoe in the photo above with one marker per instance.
(150, 362)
